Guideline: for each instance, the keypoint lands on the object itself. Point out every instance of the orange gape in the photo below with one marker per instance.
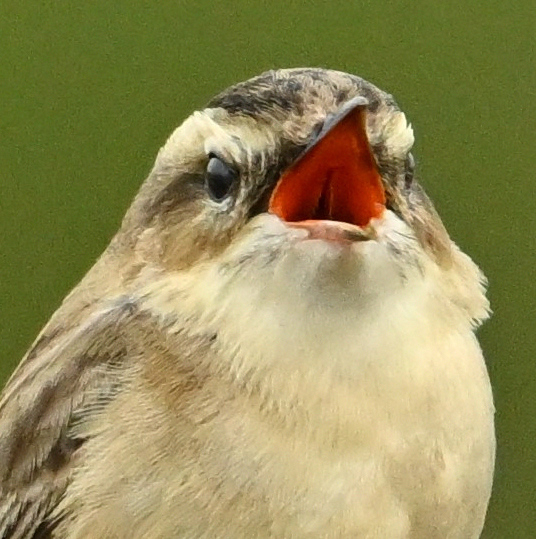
(336, 179)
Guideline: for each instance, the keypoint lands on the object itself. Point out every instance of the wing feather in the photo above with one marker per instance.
(39, 405)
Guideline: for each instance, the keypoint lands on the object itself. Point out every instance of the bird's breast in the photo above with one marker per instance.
(340, 417)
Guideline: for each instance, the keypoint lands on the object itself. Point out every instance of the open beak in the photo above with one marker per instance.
(334, 187)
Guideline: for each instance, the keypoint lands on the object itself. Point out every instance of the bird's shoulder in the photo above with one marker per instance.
(70, 373)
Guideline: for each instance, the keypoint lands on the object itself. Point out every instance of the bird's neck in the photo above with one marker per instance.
(344, 367)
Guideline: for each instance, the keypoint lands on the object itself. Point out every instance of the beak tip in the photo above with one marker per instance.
(357, 102)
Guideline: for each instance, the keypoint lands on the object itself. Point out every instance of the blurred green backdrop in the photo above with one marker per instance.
(90, 90)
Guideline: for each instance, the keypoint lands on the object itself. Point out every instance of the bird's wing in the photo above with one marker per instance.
(63, 373)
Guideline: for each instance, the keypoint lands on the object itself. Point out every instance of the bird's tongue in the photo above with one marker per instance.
(335, 179)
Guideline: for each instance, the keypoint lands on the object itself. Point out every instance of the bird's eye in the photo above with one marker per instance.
(219, 178)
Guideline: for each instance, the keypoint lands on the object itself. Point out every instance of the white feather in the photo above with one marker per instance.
(386, 416)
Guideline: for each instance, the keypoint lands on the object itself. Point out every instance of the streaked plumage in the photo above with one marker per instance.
(216, 374)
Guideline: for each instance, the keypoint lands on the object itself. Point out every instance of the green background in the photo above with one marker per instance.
(90, 90)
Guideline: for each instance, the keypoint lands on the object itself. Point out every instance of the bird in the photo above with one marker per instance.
(279, 342)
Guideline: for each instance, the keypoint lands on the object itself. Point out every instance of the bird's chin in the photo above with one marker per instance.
(333, 238)
(319, 268)
(307, 254)
(339, 233)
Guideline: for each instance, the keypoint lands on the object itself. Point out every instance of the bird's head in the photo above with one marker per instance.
(302, 180)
